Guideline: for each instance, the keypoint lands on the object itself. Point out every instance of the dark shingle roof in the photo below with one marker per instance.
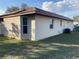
(34, 10)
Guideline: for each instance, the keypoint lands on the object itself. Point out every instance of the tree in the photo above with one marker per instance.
(24, 6)
(15, 8)
(12, 9)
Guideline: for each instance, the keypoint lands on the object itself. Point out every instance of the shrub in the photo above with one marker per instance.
(66, 30)
(76, 28)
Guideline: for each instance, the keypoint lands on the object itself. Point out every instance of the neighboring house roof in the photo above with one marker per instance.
(33, 10)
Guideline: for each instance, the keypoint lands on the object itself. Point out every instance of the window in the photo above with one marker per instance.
(25, 27)
(51, 25)
(24, 20)
(60, 22)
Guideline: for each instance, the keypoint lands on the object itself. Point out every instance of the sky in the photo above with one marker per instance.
(68, 8)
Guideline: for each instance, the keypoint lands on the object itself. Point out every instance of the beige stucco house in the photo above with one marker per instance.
(33, 24)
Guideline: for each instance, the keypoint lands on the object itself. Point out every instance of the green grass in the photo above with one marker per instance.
(64, 46)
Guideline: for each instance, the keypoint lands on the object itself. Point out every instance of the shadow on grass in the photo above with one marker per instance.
(64, 46)
(72, 38)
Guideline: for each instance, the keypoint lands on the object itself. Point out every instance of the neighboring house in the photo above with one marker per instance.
(33, 24)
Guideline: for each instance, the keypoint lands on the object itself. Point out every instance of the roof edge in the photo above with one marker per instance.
(35, 10)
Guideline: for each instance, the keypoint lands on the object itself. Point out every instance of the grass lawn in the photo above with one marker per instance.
(64, 46)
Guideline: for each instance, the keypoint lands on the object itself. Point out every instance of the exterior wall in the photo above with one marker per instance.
(30, 21)
(38, 27)
(12, 26)
(43, 27)
(67, 24)
(33, 29)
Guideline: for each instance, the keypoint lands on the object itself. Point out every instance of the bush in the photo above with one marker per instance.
(76, 28)
(67, 30)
